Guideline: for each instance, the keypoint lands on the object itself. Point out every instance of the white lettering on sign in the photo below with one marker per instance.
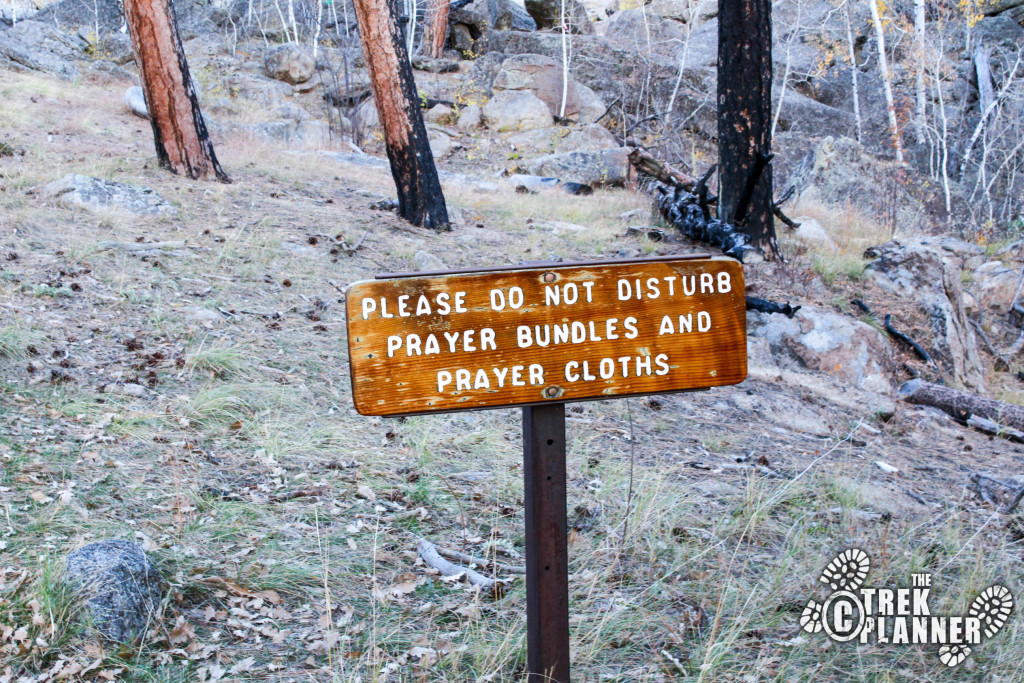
(468, 340)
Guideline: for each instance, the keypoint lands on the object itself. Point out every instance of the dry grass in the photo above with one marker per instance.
(850, 232)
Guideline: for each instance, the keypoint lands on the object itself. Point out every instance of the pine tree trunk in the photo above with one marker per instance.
(182, 142)
(744, 118)
(412, 164)
(435, 29)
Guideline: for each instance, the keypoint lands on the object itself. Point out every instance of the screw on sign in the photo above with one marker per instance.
(539, 337)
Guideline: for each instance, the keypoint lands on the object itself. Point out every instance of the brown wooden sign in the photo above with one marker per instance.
(534, 335)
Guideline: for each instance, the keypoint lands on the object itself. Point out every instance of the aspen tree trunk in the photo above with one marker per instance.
(883, 65)
(182, 142)
(744, 118)
(853, 73)
(412, 164)
(435, 29)
(919, 31)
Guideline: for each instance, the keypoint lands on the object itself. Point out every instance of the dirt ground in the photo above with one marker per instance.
(196, 399)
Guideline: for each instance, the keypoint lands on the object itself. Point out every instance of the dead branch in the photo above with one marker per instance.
(1002, 364)
(961, 404)
(765, 306)
(140, 246)
(644, 162)
(428, 551)
(989, 427)
(469, 559)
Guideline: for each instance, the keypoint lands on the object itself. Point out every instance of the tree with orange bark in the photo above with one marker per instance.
(182, 143)
(435, 29)
(420, 200)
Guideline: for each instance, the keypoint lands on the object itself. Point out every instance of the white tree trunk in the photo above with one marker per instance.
(883, 65)
(854, 69)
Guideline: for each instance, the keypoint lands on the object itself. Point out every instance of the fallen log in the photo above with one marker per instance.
(683, 210)
(961, 404)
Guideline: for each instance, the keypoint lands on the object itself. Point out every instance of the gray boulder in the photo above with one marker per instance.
(290, 63)
(113, 46)
(592, 107)
(135, 101)
(473, 24)
(427, 262)
(470, 118)
(996, 284)
(511, 110)
(542, 76)
(548, 14)
(37, 48)
(643, 31)
(120, 587)
(926, 271)
(823, 341)
(294, 133)
(254, 88)
(93, 194)
(589, 167)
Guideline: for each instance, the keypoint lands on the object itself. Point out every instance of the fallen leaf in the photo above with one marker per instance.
(40, 497)
(364, 491)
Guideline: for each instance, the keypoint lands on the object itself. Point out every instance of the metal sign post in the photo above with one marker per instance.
(547, 555)
(540, 336)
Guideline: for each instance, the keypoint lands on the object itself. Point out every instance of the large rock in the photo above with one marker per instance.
(511, 110)
(825, 341)
(926, 271)
(592, 107)
(548, 14)
(473, 24)
(135, 102)
(254, 88)
(801, 114)
(99, 196)
(120, 586)
(303, 134)
(645, 32)
(685, 11)
(38, 47)
(996, 284)
(542, 76)
(290, 63)
(595, 167)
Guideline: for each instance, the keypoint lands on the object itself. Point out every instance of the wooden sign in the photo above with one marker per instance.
(556, 333)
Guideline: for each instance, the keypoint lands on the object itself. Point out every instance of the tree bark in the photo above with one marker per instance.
(420, 200)
(744, 119)
(435, 29)
(179, 131)
(961, 404)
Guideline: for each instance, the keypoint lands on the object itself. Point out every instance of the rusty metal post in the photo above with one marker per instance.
(547, 556)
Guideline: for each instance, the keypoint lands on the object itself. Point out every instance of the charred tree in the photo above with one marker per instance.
(420, 200)
(744, 119)
(435, 30)
(182, 141)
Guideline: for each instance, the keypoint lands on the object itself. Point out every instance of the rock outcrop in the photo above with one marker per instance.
(926, 271)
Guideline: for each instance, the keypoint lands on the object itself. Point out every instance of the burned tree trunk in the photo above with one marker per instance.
(435, 30)
(744, 118)
(412, 164)
(182, 142)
